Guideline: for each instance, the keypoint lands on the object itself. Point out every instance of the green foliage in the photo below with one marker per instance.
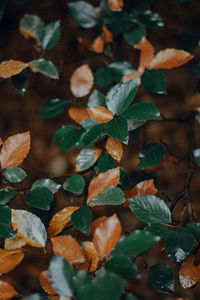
(142, 111)
(150, 156)
(15, 174)
(47, 183)
(45, 67)
(103, 77)
(118, 129)
(5, 219)
(134, 36)
(74, 184)
(161, 278)
(6, 195)
(20, 82)
(105, 162)
(40, 197)
(154, 81)
(112, 196)
(82, 218)
(52, 108)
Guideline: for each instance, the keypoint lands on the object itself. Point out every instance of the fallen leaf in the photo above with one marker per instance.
(6, 290)
(146, 55)
(107, 235)
(98, 45)
(114, 148)
(189, 274)
(9, 68)
(82, 81)
(107, 35)
(100, 114)
(130, 76)
(115, 5)
(15, 149)
(78, 114)
(96, 223)
(14, 244)
(9, 260)
(45, 284)
(92, 257)
(60, 220)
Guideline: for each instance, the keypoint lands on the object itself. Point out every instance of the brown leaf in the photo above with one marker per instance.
(11, 67)
(14, 244)
(6, 290)
(78, 114)
(115, 5)
(114, 148)
(9, 259)
(98, 45)
(82, 81)
(100, 114)
(45, 284)
(68, 247)
(146, 55)
(60, 220)
(97, 151)
(15, 149)
(107, 235)
(92, 258)
(170, 58)
(107, 35)
(134, 74)
(189, 274)
(96, 223)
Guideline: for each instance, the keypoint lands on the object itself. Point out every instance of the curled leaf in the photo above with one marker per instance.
(189, 273)
(78, 114)
(115, 5)
(114, 148)
(98, 45)
(146, 55)
(100, 114)
(45, 284)
(81, 81)
(9, 260)
(9, 68)
(6, 290)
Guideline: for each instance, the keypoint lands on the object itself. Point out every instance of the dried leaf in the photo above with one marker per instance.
(6, 290)
(114, 148)
(78, 114)
(115, 5)
(100, 114)
(45, 284)
(134, 74)
(189, 274)
(107, 35)
(81, 81)
(96, 223)
(146, 55)
(14, 244)
(92, 257)
(60, 220)
(68, 247)
(170, 58)
(98, 45)
(15, 149)
(9, 260)
(107, 235)
(9, 68)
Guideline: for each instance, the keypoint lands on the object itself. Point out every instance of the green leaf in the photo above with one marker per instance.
(123, 266)
(74, 184)
(134, 36)
(161, 278)
(118, 129)
(40, 197)
(47, 183)
(121, 95)
(105, 162)
(134, 244)
(118, 22)
(151, 155)
(80, 278)
(102, 77)
(178, 244)
(196, 69)
(81, 219)
(61, 276)
(129, 296)
(188, 40)
(68, 135)
(154, 81)
(194, 228)
(85, 159)
(134, 124)
(83, 14)
(109, 286)
(45, 67)
(90, 137)
(15, 174)
(33, 297)
(6, 194)
(156, 229)
(52, 108)
(21, 81)
(96, 99)
(150, 209)
(142, 111)
(89, 123)
(3, 5)
(5, 219)
(112, 196)
(149, 19)
(51, 35)
(32, 25)
(196, 154)
(119, 69)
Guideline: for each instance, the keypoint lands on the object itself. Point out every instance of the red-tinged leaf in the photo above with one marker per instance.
(96, 223)
(107, 235)
(86, 158)
(134, 74)
(100, 114)
(189, 274)
(14, 244)
(60, 220)
(6, 290)
(98, 184)
(9, 68)
(170, 58)
(92, 258)
(146, 55)
(114, 148)
(115, 5)
(45, 284)
(78, 114)
(15, 149)
(81, 81)
(98, 45)
(9, 260)
(68, 247)
(107, 35)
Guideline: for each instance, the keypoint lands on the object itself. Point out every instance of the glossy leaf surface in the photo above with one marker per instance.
(114, 148)
(96, 99)
(161, 278)
(118, 129)
(50, 36)
(87, 158)
(15, 174)
(5, 219)
(47, 183)
(69, 135)
(142, 111)
(105, 162)
(112, 196)
(6, 195)
(45, 67)
(21, 81)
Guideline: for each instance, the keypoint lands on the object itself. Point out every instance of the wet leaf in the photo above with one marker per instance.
(105, 162)
(114, 148)
(146, 55)
(6, 195)
(86, 159)
(78, 114)
(40, 197)
(100, 114)
(21, 81)
(6, 290)
(98, 45)
(118, 129)
(81, 81)
(31, 26)
(11, 67)
(154, 81)
(45, 284)
(9, 260)
(52, 108)
(50, 36)
(92, 256)
(47, 183)
(74, 184)
(81, 219)
(142, 111)
(15, 174)
(112, 196)
(134, 36)
(45, 67)
(161, 278)
(96, 99)
(150, 156)
(189, 273)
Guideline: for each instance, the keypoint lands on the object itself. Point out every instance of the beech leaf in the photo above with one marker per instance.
(100, 114)
(161, 278)
(146, 55)
(6, 290)
(98, 45)
(78, 114)
(45, 67)
(189, 273)
(92, 256)
(15, 174)
(82, 218)
(11, 67)
(9, 260)
(81, 81)
(86, 158)
(45, 284)
(114, 148)
(31, 26)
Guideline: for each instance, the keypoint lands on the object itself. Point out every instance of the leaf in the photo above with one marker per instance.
(196, 154)
(154, 81)
(50, 36)
(115, 5)
(5, 219)
(194, 228)
(21, 81)
(15, 174)
(142, 111)
(102, 77)
(146, 55)
(130, 76)
(150, 209)
(60, 220)
(90, 137)
(96, 99)
(82, 218)
(9, 260)
(121, 95)
(189, 273)
(112, 196)
(68, 135)
(129, 296)
(170, 58)
(6, 194)
(161, 277)
(89, 123)
(134, 36)
(156, 229)
(83, 14)
(196, 69)
(15, 149)
(106, 235)
(31, 26)
(96, 223)
(11, 67)
(78, 114)
(45, 67)
(29, 227)
(118, 129)
(107, 35)
(145, 187)
(52, 108)
(91, 256)
(14, 244)
(118, 22)
(45, 284)
(74, 184)
(105, 162)
(34, 296)
(47, 183)
(114, 148)
(40, 197)
(68, 247)
(149, 19)
(100, 114)
(86, 159)
(99, 183)
(6, 290)
(178, 244)
(81, 81)
(150, 156)
(119, 69)
(98, 45)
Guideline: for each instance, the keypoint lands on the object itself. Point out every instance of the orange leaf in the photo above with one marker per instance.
(134, 74)
(170, 58)
(189, 274)
(60, 220)
(68, 247)
(15, 149)
(14, 244)
(78, 114)
(107, 35)
(1, 141)
(92, 257)
(107, 235)
(6, 290)
(45, 284)
(81, 81)
(115, 5)
(9, 259)
(97, 152)
(96, 223)
(102, 181)
(11, 67)
(146, 55)
(98, 45)
(100, 114)
(114, 148)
